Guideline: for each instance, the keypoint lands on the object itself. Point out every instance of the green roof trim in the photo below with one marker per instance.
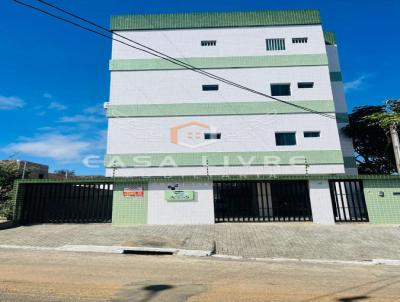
(215, 19)
(330, 38)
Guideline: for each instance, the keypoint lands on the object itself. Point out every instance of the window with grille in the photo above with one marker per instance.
(208, 43)
(275, 44)
(299, 40)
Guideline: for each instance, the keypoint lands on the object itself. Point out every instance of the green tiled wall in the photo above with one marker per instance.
(129, 210)
(382, 210)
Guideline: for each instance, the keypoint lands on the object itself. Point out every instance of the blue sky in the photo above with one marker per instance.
(55, 77)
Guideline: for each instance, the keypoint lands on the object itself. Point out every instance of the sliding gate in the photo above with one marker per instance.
(78, 202)
(252, 201)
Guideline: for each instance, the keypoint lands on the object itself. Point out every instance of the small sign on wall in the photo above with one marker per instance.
(133, 191)
(179, 195)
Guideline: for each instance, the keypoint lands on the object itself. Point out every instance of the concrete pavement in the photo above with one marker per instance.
(250, 240)
(49, 276)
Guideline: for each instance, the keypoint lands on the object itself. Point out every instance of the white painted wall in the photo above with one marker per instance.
(182, 43)
(321, 204)
(185, 86)
(200, 211)
(239, 133)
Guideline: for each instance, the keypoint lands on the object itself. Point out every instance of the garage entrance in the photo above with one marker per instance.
(252, 201)
(66, 202)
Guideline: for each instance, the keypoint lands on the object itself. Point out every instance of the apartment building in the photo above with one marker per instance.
(168, 119)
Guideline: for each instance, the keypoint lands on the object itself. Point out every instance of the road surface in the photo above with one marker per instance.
(27, 275)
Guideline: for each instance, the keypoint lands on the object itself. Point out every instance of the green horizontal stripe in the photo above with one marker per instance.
(232, 108)
(342, 117)
(216, 19)
(336, 76)
(330, 38)
(221, 62)
(349, 162)
(318, 157)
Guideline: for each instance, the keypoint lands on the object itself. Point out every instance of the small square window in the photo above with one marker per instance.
(212, 135)
(280, 89)
(312, 134)
(208, 43)
(285, 138)
(210, 87)
(305, 84)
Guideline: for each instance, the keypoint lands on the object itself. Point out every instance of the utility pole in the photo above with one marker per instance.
(396, 145)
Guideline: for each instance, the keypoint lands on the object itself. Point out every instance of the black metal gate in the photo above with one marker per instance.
(252, 201)
(348, 201)
(66, 202)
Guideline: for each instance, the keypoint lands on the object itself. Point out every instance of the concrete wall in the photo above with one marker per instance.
(321, 202)
(383, 209)
(182, 43)
(153, 208)
(198, 211)
(341, 108)
(185, 86)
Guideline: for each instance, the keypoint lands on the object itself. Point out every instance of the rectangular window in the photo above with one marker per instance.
(305, 84)
(212, 135)
(208, 43)
(280, 89)
(312, 134)
(275, 44)
(210, 87)
(285, 138)
(299, 40)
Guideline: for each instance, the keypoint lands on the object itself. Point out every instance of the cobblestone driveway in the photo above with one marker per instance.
(264, 240)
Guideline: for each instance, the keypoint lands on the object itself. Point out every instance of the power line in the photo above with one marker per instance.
(156, 53)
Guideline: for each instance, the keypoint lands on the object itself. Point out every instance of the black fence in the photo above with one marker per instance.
(348, 201)
(253, 201)
(66, 202)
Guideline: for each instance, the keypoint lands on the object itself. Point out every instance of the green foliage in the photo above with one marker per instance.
(8, 173)
(390, 115)
(373, 147)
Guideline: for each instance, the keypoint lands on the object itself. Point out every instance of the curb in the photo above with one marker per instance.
(114, 249)
(315, 261)
(192, 253)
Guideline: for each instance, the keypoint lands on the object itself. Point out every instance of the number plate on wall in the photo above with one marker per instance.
(178, 195)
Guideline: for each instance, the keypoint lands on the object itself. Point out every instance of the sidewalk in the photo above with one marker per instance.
(250, 240)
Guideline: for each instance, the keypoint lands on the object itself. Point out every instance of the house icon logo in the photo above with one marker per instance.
(191, 134)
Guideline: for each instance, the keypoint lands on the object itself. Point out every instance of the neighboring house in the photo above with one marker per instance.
(165, 120)
(32, 170)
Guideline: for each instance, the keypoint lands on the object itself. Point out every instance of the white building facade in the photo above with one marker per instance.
(166, 120)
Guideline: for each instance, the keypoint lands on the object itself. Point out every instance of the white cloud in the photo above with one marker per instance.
(57, 106)
(97, 109)
(81, 119)
(62, 148)
(10, 102)
(47, 95)
(358, 83)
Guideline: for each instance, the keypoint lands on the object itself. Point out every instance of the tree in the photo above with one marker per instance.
(65, 172)
(8, 173)
(373, 147)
